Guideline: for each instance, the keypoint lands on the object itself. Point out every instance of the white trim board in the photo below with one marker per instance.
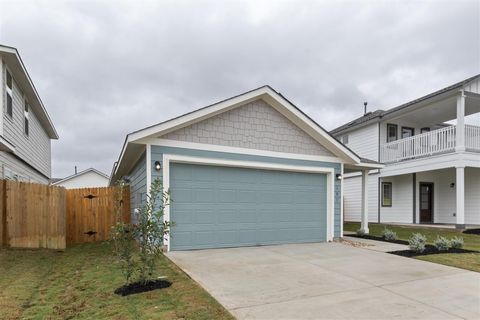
(255, 152)
(330, 172)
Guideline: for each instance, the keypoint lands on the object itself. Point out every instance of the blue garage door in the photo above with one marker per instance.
(215, 207)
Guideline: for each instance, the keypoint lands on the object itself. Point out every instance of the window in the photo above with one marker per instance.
(386, 194)
(391, 132)
(345, 139)
(407, 132)
(423, 130)
(9, 94)
(25, 117)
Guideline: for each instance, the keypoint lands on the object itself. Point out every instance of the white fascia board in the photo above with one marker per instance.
(220, 148)
(282, 105)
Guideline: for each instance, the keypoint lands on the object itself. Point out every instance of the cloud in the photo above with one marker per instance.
(106, 68)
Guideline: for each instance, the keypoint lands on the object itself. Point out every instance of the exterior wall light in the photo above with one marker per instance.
(338, 176)
(158, 165)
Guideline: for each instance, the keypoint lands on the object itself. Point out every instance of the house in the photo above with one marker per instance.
(249, 170)
(89, 178)
(431, 150)
(26, 129)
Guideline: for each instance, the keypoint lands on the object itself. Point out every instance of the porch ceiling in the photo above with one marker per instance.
(439, 112)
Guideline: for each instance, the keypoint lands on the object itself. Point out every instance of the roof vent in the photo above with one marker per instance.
(365, 108)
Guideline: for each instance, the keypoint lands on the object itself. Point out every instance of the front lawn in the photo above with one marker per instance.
(79, 283)
(469, 261)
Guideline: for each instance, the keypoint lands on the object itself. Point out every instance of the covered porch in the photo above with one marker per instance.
(445, 196)
(445, 123)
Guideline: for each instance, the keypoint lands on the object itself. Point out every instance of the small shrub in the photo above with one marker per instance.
(417, 242)
(389, 235)
(442, 243)
(360, 232)
(456, 243)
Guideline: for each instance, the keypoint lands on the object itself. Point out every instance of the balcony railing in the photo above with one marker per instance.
(429, 143)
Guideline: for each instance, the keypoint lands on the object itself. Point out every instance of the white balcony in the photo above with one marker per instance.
(430, 143)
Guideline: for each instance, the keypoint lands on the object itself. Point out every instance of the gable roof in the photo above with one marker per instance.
(382, 113)
(267, 93)
(60, 181)
(12, 58)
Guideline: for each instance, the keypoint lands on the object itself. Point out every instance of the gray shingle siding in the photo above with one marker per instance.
(256, 125)
(34, 149)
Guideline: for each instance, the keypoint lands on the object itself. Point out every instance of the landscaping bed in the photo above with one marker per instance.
(429, 249)
(466, 258)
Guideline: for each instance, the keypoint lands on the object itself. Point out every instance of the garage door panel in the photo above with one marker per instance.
(227, 207)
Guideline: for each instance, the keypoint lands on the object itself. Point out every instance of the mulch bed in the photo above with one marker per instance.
(139, 287)
(472, 231)
(370, 237)
(429, 249)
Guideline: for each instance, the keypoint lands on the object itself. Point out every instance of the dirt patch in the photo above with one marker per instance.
(355, 243)
(429, 249)
(139, 287)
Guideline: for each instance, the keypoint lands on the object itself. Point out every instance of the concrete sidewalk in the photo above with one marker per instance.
(331, 281)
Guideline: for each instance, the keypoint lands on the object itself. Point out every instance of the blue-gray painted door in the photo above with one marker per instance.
(215, 207)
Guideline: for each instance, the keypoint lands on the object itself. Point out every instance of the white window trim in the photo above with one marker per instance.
(330, 172)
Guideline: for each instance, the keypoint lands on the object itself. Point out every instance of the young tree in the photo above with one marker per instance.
(148, 233)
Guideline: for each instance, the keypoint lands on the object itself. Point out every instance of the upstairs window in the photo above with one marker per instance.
(424, 130)
(391, 132)
(25, 117)
(345, 139)
(9, 109)
(407, 132)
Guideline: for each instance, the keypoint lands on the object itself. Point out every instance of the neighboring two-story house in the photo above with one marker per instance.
(26, 129)
(431, 150)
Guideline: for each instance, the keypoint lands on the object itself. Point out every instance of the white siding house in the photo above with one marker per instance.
(25, 127)
(90, 178)
(431, 151)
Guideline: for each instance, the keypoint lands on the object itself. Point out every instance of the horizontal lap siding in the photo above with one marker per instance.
(352, 190)
(35, 149)
(138, 185)
(402, 202)
(158, 151)
(364, 141)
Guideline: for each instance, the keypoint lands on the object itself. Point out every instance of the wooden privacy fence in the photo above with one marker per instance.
(90, 213)
(41, 216)
(33, 215)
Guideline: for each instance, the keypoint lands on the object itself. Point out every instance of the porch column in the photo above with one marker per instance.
(364, 225)
(460, 135)
(460, 186)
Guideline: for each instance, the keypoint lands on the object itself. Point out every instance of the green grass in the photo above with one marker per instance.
(469, 261)
(79, 283)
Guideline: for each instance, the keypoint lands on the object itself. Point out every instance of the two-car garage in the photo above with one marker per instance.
(218, 206)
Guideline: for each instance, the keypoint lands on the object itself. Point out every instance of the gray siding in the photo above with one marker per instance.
(13, 168)
(138, 184)
(35, 149)
(255, 125)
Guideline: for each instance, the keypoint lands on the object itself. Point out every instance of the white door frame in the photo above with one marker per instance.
(330, 172)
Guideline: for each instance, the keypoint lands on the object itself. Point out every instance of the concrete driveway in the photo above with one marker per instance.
(331, 281)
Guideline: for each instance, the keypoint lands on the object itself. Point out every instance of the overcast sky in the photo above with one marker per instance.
(106, 68)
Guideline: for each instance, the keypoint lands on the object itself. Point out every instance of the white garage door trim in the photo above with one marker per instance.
(167, 158)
